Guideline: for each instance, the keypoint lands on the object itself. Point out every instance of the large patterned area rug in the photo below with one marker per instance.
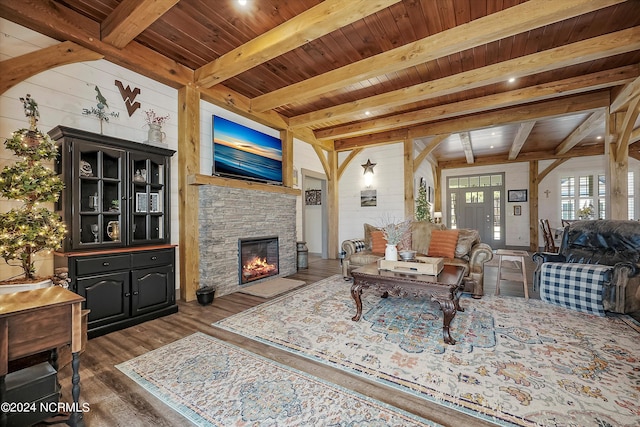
(211, 382)
(516, 362)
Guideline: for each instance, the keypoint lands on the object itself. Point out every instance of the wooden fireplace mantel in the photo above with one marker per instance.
(200, 179)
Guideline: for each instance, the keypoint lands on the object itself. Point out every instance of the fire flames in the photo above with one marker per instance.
(257, 267)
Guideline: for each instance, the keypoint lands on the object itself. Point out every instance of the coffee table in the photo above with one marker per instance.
(445, 289)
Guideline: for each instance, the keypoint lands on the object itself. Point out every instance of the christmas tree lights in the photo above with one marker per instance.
(30, 229)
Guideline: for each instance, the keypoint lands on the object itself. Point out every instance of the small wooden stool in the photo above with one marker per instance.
(509, 255)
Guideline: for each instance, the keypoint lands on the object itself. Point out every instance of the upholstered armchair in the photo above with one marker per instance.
(597, 268)
(467, 252)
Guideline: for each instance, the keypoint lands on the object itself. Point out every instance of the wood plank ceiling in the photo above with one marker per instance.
(344, 75)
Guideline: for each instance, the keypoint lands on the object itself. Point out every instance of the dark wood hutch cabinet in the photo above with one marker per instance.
(116, 207)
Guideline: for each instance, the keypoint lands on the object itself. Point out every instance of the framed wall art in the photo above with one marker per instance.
(517, 196)
(313, 197)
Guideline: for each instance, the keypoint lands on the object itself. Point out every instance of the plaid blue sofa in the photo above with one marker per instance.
(597, 268)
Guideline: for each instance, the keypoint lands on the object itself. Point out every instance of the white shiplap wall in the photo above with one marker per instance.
(63, 92)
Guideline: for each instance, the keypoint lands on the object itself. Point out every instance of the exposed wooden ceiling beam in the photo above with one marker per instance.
(465, 140)
(626, 94)
(511, 21)
(535, 93)
(521, 137)
(381, 138)
(630, 117)
(535, 111)
(428, 149)
(15, 70)
(130, 18)
(586, 128)
(313, 23)
(592, 150)
(62, 23)
(584, 51)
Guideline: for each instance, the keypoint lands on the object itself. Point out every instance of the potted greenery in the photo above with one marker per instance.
(31, 228)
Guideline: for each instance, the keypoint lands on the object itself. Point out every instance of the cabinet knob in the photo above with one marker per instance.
(136, 293)
(106, 264)
(153, 258)
(127, 294)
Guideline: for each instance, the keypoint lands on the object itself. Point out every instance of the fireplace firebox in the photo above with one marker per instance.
(258, 258)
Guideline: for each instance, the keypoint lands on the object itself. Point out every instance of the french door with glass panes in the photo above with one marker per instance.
(477, 202)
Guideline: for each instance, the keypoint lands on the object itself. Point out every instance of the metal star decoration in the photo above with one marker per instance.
(368, 167)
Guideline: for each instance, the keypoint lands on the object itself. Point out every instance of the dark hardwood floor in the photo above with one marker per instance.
(115, 400)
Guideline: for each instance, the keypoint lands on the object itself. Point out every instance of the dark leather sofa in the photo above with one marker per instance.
(614, 243)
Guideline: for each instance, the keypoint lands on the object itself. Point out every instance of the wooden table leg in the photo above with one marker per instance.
(76, 418)
(449, 308)
(356, 291)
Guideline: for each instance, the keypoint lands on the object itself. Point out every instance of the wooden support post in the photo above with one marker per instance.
(332, 204)
(287, 157)
(533, 203)
(188, 195)
(409, 198)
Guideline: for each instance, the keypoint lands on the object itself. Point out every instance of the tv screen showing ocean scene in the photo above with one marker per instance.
(241, 152)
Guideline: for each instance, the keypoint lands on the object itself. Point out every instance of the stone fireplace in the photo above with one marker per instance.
(258, 258)
(228, 214)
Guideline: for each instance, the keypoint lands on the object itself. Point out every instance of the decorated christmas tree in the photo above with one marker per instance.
(31, 228)
(423, 207)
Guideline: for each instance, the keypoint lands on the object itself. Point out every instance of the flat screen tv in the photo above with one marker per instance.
(241, 152)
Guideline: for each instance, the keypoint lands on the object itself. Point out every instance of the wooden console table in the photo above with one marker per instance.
(36, 321)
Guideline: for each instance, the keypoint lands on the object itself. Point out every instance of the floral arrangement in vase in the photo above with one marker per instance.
(151, 118)
(395, 232)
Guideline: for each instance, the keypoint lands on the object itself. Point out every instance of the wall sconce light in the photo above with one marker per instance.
(437, 217)
(368, 173)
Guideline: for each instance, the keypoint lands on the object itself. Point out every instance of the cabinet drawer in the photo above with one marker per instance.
(152, 258)
(102, 264)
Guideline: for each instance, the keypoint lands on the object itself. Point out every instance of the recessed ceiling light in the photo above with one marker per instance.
(491, 146)
(242, 2)
(512, 79)
(367, 113)
(598, 137)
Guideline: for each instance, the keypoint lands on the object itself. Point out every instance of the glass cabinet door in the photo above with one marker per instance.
(148, 198)
(99, 196)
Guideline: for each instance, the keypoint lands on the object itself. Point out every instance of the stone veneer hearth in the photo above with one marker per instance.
(228, 214)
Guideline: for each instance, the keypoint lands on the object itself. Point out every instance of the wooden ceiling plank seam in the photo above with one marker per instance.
(511, 21)
(592, 122)
(521, 137)
(465, 140)
(601, 47)
(623, 98)
(541, 92)
(316, 22)
(130, 18)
